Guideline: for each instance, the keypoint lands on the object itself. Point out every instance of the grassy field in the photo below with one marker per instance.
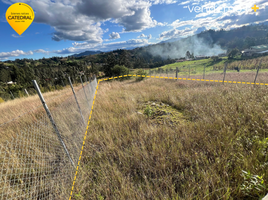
(166, 139)
(196, 67)
(159, 139)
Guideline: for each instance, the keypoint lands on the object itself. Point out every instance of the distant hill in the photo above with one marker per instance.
(170, 40)
(87, 53)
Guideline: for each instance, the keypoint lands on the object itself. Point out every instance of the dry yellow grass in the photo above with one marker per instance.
(130, 156)
(33, 162)
(25, 110)
(194, 145)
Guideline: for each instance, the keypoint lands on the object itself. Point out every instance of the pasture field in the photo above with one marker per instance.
(197, 66)
(167, 139)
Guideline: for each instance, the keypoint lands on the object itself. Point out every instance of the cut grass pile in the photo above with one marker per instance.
(216, 150)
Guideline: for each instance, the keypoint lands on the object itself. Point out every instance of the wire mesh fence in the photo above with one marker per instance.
(34, 164)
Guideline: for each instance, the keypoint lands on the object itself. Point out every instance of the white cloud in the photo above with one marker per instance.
(16, 53)
(80, 47)
(133, 15)
(142, 35)
(114, 35)
(163, 1)
(185, 2)
(16, 36)
(175, 33)
(80, 20)
(41, 51)
(145, 36)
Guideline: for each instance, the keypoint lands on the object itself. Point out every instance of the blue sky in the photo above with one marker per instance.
(66, 27)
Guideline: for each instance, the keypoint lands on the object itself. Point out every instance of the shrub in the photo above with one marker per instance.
(142, 73)
(118, 70)
(1, 100)
(148, 111)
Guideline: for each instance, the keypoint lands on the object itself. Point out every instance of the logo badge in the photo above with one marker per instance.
(20, 16)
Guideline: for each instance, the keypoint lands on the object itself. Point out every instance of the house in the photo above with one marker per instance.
(222, 55)
(181, 60)
(254, 50)
(200, 57)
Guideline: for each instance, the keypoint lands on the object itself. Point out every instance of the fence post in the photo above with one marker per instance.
(204, 74)
(26, 91)
(87, 84)
(85, 93)
(177, 69)
(77, 101)
(257, 72)
(224, 71)
(52, 120)
(12, 94)
(90, 80)
(189, 70)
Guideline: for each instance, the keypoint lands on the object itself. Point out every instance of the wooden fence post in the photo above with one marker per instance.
(189, 70)
(224, 71)
(204, 73)
(257, 72)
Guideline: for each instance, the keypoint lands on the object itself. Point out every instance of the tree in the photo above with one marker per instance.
(5, 75)
(118, 70)
(233, 53)
(111, 62)
(188, 54)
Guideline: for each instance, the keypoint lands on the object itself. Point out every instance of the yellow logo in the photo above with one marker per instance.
(255, 8)
(20, 16)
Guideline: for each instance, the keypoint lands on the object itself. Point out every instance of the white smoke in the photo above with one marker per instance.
(193, 44)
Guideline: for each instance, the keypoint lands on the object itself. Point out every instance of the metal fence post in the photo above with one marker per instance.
(85, 93)
(77, 101)
(90, 80)
(87, 84)
(52, 120)
(257, 72)
(12, 94)
(26, 91)
(224, 71)
(177, 69)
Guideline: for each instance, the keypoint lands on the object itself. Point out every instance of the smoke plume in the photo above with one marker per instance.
(178, 49)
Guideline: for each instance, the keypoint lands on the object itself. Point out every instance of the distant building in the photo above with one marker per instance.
(11, 83)
(255, 50)
(201, 57)
(181, 60)
(222, 55)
